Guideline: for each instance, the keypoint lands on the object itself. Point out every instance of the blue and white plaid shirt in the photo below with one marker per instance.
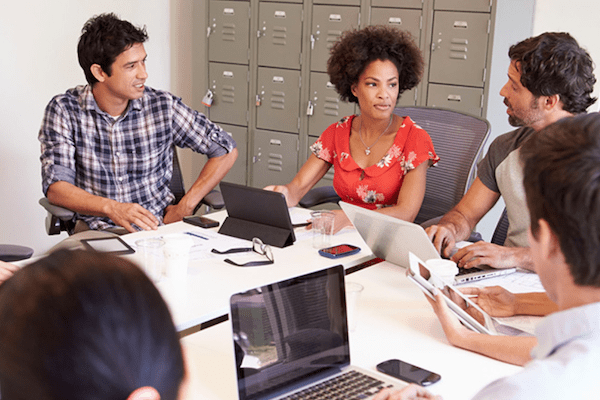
(128, 159)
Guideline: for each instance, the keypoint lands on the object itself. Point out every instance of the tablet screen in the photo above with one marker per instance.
(114, 245)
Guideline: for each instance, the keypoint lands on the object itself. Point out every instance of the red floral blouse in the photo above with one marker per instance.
(378, 185)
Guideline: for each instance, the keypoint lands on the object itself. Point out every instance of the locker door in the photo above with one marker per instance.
(228, 31)
(327, 26)
(280, 35)
(409, 20)
(459, 98)
(327, 179)
(278, 100)
(459, 48)
(463, 5)
(325, 103)
(397, 3)
(237, 173)
(275, 158)
(229, 85)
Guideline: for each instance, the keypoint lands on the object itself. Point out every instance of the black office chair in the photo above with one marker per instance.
(458, 139)
(62, 219)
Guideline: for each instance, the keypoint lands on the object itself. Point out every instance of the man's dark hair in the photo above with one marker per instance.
(562, 185)
(554, 63)
(103, 38)
(356, 49)
(83, 325)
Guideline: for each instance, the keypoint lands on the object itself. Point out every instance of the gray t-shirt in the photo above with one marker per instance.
(501, 171)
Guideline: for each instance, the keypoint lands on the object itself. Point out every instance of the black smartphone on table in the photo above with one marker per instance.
(341, 250)
(408, 372)
(202, 222)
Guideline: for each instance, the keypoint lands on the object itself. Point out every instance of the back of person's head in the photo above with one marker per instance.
(103, 38)
(562, 185)
(554, 63)
(356, 49)
(81, 325)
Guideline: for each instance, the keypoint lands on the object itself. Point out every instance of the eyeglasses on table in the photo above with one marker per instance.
(257, 246)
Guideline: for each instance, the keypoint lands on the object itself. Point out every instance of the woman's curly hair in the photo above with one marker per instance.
(357, 48)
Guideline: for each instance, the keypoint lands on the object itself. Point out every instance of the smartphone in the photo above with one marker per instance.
(201, 221)
(408, 372)
(338, 251)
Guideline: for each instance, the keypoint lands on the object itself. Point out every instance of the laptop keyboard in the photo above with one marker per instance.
(351, 385)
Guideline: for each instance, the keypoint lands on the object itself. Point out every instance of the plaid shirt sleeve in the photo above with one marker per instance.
(57, 146)
(194, 130)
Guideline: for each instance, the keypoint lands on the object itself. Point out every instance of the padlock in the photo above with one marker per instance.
(208, 98)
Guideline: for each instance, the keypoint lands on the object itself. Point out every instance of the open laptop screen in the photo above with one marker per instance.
(288, 332)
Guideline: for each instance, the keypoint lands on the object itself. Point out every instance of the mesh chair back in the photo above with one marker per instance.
(458, 140)
(499, 236)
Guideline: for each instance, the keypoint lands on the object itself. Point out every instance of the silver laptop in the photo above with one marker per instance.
(392, 239)
(291, 337)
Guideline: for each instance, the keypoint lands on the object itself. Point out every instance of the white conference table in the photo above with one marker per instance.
(204, 295)
(393, 321)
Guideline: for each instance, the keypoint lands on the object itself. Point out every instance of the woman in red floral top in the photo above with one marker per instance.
(380, 159)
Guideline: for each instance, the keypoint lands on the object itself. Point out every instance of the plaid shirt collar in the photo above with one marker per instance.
(87, 102)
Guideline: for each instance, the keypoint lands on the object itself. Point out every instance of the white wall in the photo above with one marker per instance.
(38, 59)
(579, 18)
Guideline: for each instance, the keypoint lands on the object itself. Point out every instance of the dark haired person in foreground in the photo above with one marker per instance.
(380, 159)
(107, 147)
(562, 187)
(550, 77)
(82, 325)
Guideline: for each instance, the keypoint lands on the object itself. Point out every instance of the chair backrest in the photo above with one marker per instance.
(458, 140)
(176, 184)
(501, 230)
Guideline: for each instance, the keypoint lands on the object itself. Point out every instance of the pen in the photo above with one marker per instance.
(196, 235)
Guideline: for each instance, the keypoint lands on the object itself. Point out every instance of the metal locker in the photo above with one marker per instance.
(275, 158)
(324, 104)
(229, 31)
(327, 26)
(459, 98)
(397, 3)
(463, 5)
(338, 2)
(280, 35)
(406, 19)
(459, 48)
(278, 100)
(327, 179)
(228, 84)
(237, 173)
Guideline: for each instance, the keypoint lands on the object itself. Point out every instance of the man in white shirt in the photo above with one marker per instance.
(562, 188)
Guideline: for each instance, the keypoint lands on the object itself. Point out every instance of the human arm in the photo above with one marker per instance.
(6, 271)
(499, 302)
(459, 222)
(211, 174)
(511, 349)
(67, 195)
(411, 392)
(411, 194)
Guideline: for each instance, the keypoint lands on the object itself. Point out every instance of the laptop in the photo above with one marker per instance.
(291, 337)
(392, 239)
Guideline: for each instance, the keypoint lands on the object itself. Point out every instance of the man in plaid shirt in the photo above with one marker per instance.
(107, 147)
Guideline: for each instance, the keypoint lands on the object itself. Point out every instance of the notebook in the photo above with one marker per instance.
(392, 239)
(292, 337)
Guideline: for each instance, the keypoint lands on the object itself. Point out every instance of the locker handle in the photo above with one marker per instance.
(395, 21)
(274, 142)
(454, 97)
(461, 24)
